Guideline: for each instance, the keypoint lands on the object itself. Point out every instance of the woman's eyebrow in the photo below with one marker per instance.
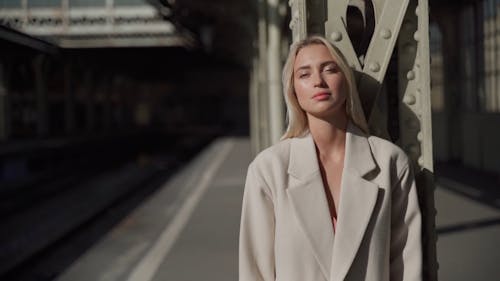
(328, 63)
(303, 67)
(323, 64)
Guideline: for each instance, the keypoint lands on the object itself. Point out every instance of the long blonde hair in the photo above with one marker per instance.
(296, 117)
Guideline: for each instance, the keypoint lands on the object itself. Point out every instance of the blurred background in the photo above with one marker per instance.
(106, 105)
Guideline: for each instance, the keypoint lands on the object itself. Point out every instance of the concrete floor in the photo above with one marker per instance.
(468, 238)
(189, 229)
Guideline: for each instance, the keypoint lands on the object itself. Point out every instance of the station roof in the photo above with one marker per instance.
(94, 23)
(223, 28)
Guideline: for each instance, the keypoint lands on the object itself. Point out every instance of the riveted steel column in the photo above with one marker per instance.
(298, 22)
(276, 100)
(415, 118)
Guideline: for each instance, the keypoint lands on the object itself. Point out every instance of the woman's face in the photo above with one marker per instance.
(318, 82)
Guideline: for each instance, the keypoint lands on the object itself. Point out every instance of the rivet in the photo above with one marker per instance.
(417, 10)
(290, 2)
(416, 36)
(410, 75)
(385, 33)
(292, 24)
(336, 36)
(374, 67)
(409, 99)
(420, 161)
(417, 62)
(420, 136)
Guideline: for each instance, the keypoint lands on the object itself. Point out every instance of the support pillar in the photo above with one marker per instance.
(89, 87)
(69, 99)
(4, 105)
(42, 122)
(276, 101)
(259, 101)
(253, 101)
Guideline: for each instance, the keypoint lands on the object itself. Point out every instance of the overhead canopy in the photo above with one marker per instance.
(94, 23)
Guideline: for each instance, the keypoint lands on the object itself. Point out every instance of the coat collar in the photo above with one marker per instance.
(303, 161)
(309, 203)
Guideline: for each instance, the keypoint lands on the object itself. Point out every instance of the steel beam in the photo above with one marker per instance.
(114, 26)
(415, 118)
(276, 101)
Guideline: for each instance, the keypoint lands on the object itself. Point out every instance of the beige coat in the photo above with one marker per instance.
(286, 232)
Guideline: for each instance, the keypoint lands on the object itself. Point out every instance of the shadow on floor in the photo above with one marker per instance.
(478, 185)
(472, 225)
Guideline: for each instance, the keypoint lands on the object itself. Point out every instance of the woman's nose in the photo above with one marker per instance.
(318, 80)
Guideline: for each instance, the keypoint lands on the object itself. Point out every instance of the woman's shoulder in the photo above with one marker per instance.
(384, 149)
(276, 154)
(271, 164)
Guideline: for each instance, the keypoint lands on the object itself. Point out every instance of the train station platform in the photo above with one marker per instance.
(188, 229)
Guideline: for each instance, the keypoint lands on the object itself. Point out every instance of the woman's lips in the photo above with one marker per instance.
(321, 96)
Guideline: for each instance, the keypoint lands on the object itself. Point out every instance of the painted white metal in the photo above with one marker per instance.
(298, 26)
(415, 118)
(414, 77)
(336, 32)
(159, 28)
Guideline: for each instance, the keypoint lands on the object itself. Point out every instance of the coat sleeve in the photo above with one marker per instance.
(406, 245)
(256, 248)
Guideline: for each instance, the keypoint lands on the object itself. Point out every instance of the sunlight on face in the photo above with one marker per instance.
(318, 82)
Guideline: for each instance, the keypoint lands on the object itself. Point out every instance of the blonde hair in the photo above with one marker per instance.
(296, 117)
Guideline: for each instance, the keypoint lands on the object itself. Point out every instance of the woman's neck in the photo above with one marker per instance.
(329, 134)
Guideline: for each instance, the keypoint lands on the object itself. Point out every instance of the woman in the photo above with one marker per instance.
(328, 202)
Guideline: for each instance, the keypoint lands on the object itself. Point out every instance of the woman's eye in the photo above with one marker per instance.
(331, 69)
(303, 75)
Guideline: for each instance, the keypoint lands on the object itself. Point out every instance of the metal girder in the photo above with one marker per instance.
(297, 24)
(415, 134)
(20, 38)
(388, 18)
(113, 26)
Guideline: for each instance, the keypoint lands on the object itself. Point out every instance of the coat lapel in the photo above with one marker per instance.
(309, 202)
(310, 206)
(357, 200)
